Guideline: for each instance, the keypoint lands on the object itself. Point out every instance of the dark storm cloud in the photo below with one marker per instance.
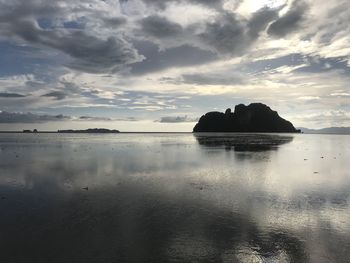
(231, 35)
(181, 56)
(114, 21)
(23, 9)
(160, 27)
(260, 20)
(144, 45)
(177, 119)
(290, 21)
(57, 95)
(14, 117)
(90, 53)
(227, 34)
(162, 4)
(11, 95)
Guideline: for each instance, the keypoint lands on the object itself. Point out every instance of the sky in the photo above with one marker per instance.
(158, 65)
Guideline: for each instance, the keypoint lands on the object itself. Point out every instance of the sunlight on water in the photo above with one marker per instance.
(174, 198)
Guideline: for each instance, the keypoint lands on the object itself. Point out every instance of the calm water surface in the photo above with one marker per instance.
(174, 198)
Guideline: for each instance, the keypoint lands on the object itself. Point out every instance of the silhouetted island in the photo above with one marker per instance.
(89, 131)
(256, 117)
(30, 131)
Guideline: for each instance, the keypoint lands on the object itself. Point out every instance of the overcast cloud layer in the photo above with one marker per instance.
(167, 62)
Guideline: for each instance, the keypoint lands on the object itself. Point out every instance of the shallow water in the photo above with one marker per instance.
(174, 198)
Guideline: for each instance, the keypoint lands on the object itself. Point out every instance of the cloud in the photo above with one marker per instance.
(231, 35)
(290, 21)
(216, 52)
(114, 22)
(131, 119)
(98, 38)
(20, 117)
(227, 34)
(340, 94)
(182, 56)
(162, 4)
(89, 51)
(17, 117)
(11, 95)
(89, 118)
(177, 119)
(159, 27)
(259, 21)
(317, 64)
(212, 79)
(327, 118)
(57, 95)
(309, 98)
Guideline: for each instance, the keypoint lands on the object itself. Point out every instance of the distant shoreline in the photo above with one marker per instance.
(141, 132)
(43, 132)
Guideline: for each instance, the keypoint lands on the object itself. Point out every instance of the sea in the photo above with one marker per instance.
(174, 197)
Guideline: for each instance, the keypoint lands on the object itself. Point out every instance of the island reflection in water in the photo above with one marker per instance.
(174, 198)
(243, 142)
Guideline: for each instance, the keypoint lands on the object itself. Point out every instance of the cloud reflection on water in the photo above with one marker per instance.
(174, 204)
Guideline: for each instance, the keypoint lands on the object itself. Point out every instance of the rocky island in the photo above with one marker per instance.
(256, 117)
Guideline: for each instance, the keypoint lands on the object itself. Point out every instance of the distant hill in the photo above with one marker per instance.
(330, 130)
(256, 117)
(89, 131)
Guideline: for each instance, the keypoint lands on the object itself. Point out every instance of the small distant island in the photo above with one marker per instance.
(256, 117)
(96, 130)
(30, 131)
